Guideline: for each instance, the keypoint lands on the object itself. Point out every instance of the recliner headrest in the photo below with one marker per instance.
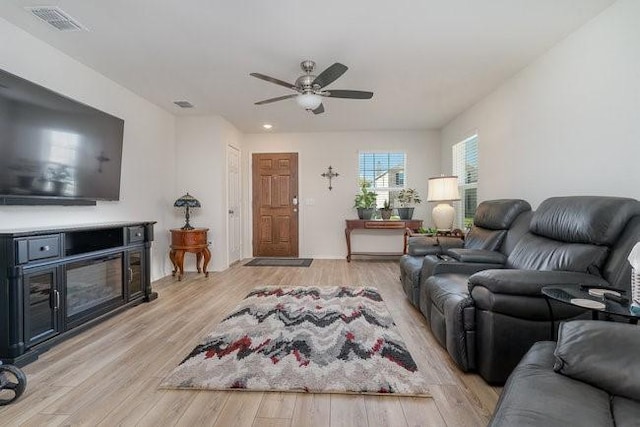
(499, 214)
(584, 219)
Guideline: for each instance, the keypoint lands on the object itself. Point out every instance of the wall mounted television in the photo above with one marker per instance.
(54, 150)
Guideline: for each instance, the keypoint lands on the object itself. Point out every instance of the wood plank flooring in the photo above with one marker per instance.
(109, 375)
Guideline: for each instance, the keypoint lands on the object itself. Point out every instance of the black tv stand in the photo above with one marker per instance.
(59, 281)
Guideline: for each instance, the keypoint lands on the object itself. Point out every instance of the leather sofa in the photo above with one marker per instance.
(488, 318)
(590, 377)
(492, 223)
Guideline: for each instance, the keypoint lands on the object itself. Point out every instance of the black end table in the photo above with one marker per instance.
(567, 293)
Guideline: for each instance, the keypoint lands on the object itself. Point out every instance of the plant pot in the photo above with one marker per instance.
(405, 213)
(386, 213)
(365, 213)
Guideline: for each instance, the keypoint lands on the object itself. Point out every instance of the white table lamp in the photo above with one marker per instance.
(443, 189)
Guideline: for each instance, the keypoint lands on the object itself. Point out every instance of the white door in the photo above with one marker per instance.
(233, 205)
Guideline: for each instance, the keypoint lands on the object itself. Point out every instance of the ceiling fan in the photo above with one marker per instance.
(311, 88)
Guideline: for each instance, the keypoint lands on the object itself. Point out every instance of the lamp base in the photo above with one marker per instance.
(187, 226)
(443, 215)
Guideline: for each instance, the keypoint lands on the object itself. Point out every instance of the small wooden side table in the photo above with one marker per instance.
(193, 241)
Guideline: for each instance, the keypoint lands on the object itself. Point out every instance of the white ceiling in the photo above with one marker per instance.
(425, 60)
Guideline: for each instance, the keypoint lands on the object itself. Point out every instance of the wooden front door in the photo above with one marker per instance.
(275, 208)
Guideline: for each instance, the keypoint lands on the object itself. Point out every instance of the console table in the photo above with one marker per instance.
(364, 224)
(193, 241)
(55, 282)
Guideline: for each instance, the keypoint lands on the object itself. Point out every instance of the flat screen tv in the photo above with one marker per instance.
(54, 150)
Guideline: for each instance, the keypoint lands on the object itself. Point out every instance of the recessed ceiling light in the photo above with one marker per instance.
(267, 126)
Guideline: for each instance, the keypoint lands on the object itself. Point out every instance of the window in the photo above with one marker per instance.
(465, 167)
(385, 174)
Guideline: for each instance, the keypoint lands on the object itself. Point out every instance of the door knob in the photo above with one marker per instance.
(230, 211)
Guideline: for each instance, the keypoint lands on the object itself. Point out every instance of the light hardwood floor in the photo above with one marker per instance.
(109, 375)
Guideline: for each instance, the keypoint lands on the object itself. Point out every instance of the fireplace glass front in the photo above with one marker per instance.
(93, 287)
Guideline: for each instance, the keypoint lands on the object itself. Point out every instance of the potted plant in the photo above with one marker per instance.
(365, 202)
(386, 210)
(428, 231)
(407, 198)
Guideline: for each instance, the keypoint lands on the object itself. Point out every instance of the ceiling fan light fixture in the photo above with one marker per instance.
(309, 101)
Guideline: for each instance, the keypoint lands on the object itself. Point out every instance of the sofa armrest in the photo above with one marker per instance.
(452, 266)
(477, 255)
(423, 245)
(447, 243)
(518, 293)
(529, 282)
(443, 264)
(431, 245)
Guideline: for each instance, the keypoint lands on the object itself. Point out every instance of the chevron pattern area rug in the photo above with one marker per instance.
(304, 339)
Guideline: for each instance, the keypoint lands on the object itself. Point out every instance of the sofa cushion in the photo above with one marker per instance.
(603, 354)
(499, 214)
(538, 253)
(483, 238)
(519, 228)
(536, 396)
(584, 219)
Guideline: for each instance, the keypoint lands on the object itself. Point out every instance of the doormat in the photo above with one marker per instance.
(279, 262)
(304, 339)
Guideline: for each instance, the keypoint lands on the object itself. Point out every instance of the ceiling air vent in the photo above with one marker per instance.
(183, 104)
(56, 17)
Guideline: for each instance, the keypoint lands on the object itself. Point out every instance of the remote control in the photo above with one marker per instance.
(618, 299)
(611, 288)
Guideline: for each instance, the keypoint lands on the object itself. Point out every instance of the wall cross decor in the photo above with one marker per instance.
(329, 174)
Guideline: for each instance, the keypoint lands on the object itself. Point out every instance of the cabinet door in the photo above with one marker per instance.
(42, 305)
(135, 273)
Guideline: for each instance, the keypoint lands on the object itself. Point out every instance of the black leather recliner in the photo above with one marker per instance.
(590, 377)
(492, 222)
(489, 319)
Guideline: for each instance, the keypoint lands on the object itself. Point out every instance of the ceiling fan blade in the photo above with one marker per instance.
(280, 98)
(351, 94)
(319, 110)
(274, 80)
(330, 75)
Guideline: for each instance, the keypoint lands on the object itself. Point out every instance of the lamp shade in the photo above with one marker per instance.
(187, 201)
(309, 101)
(443, 189)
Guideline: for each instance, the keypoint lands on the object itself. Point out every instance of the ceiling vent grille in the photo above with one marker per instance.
(183, 104)
(56, 17)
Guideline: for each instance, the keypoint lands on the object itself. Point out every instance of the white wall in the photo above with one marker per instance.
(148, 175)
(201, 150)
(323, 212)
(568, 124)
